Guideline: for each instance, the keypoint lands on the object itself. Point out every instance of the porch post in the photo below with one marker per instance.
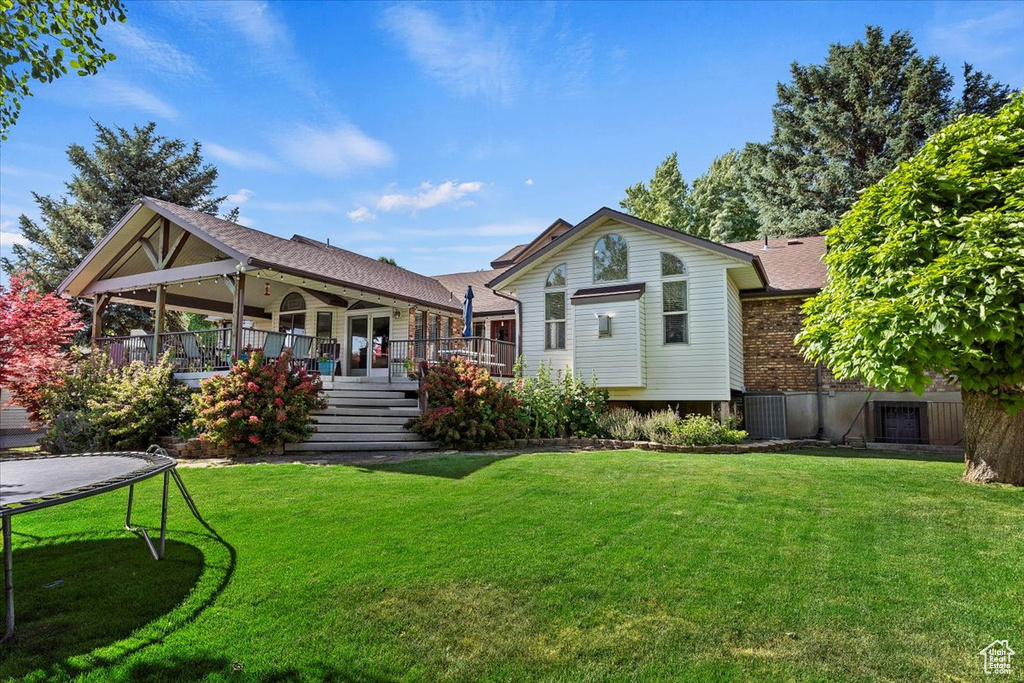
(99, 304)
(158, 320)
(237, 316)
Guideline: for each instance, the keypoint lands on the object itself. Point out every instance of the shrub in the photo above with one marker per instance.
(466, 407)
(256, 405)
(658, 426)
(558, 405)
(704, 430)
(624, 424)
(95, 406)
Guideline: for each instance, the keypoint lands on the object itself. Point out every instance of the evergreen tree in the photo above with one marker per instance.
(720, 208)
(665, 201)
(981, 94)
(122, 166)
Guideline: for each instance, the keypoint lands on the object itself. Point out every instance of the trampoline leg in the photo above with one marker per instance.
(163, 516)
(8, 579)
(128, 515)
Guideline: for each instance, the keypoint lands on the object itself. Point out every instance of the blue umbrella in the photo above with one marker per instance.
(467, 313)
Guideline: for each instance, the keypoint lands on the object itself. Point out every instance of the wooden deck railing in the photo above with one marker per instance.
(496, 356)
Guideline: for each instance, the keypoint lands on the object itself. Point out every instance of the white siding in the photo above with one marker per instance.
(735, 313)
(695, 371)
(614, 360)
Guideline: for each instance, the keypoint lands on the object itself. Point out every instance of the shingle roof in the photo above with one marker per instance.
(792, 265)
(509, 257)
(316, 259)
(485, 301)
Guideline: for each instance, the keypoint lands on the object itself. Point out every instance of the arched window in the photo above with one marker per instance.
(554, 309)
(674, 300)
(672, 265)
(611, 256)
(556, 278)
(293, 315)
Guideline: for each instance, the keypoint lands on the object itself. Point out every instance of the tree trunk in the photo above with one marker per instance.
(993, 441)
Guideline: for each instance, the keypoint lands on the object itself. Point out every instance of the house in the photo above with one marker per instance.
(656, 316)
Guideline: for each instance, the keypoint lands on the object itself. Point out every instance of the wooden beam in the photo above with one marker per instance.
(326, 297)
(237, 316)
(99, 304)
(165, 238)
(176, 249)
(158, 319)
(131, 243)
(194, 303)
(150, 251)
(163, 277)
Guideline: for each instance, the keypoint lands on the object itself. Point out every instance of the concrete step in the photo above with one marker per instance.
(363, 428)
(364, 384)
(372, 402)
(358, 411)
(400, 435)
(361, 420)
(345, 394)
(359, 446)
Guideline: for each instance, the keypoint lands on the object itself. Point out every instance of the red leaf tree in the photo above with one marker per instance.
(35, 334)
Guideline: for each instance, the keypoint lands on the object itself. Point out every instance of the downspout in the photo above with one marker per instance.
(821, 403)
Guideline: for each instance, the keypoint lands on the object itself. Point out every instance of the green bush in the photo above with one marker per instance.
(258, 404)
(658, 426)
(559, 404)
(665, 426)
(623, 424)
(96, 406)
(704, 430)
(466, 407)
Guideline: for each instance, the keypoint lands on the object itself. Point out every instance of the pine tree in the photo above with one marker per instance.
(665, 201)
(720, 208)
(122, 166)
(981, 94)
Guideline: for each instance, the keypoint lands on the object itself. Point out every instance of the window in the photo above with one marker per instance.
(435, 331)
(478, 329)
(674, 311)
(289, 321)
(611, 256)
(672, 265)
(293, 302)
(324, 324)
(554, 309)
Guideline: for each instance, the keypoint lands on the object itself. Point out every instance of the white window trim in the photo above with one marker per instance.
(686, 311)
(593, 261)
(562, 289)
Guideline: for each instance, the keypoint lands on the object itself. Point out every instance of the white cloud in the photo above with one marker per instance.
(470, 58)
(240, 158)
(361, 215)
(240, 197)
(158, 55)
(246, 221)
(529, 181)
(335, 151)
(9, 239)
(527, 227)
(429, 195)
(981, 33)
(119, 93)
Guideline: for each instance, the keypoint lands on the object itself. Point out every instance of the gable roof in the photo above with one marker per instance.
(485, 300)
(635, 222)
(509, 257)
(298, 256)
(793, 265)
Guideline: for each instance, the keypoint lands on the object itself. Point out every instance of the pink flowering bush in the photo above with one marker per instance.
(466, 407)
(255, 405)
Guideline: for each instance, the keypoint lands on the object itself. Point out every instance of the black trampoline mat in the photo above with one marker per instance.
(31, 478)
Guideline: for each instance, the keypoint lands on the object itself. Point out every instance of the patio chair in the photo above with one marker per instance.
(301, 347)
(273, 345)
(195, 358)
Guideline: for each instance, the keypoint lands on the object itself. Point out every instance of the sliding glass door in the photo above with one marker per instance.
(369, 338)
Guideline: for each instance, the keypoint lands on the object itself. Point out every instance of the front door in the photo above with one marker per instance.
(369, 338)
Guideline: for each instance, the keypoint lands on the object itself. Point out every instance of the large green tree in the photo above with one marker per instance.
(121, 166)
(926, 275)
(664, 201)
(41, 39)
(720, 209)
(841, 126)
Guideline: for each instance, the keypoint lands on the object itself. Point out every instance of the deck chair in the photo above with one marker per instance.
(194, 356)
(273, 345)
(301, 347)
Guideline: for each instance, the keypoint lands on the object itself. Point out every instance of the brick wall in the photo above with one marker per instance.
(773, 363)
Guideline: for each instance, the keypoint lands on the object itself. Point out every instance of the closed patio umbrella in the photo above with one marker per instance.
(467, 313)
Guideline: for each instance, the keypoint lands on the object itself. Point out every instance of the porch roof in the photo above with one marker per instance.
(252, 249)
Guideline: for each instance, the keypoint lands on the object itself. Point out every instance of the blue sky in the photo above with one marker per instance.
(442, 134)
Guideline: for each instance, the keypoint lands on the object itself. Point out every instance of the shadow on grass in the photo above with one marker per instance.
(448, 467)
(873, 454)
(84, 603)
(201, 667)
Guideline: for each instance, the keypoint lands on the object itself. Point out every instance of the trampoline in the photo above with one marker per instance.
(33, 483)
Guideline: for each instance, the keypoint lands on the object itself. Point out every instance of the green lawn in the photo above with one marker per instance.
(578, 566)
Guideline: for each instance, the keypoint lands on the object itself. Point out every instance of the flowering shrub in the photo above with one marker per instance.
(96, 406)
(704, 430)
(624, 424)
(558, 405)
(665, 426)
(466, 407)
(256, 405)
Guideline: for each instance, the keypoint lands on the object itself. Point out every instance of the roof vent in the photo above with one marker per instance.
(791, 242)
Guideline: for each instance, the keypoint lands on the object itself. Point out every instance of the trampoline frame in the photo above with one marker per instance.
(159, 463)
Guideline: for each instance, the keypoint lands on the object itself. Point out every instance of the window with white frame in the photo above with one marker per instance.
(674, 300)
(554, 308)
(611, 259)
